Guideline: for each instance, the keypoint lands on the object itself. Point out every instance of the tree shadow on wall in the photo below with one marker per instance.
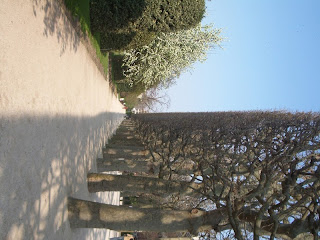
(43, 161)
(58, 22)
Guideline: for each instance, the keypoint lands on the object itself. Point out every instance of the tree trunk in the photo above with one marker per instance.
(127, 122)
(124, 129)
(125, 137)
(104, 165)
(98, 182)
(85, 214)
(139, 202)
(126, 133)
(128, 152)
(125, 141)
(176, 238)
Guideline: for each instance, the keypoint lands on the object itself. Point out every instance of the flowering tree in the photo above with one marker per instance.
(168, 55)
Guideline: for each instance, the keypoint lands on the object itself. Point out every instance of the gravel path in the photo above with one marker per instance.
(56, 113)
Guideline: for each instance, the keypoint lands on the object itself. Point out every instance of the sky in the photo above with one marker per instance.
(270, 59)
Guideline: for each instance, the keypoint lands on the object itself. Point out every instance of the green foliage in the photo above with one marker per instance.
(123, 87)
(123, 41)
(129, 24)
(80, 9)
(132, 99)
(173, 15)
(130, 93)
(169, 55)
(116, 41)
(116, 66)
(114, 14)
(145, 15)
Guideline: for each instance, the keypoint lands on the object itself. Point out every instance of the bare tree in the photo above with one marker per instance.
(262, 167)
(258, 174)
(154, 100)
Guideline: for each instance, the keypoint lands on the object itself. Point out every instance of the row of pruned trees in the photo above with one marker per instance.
(249, 174)
(258, 171)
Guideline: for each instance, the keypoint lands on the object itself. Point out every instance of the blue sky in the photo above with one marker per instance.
(270, 60)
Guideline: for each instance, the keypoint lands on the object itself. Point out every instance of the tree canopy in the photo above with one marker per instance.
(128, 24)
(153, 100)
(260, 170)
(145, 15)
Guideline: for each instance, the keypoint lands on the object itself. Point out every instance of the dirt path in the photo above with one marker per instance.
(56, 113)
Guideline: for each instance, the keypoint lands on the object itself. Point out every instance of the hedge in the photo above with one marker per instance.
(145, 15)
(123, 41)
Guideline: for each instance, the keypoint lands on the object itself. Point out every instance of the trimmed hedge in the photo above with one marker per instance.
(116, 66)
(123, 41)
(114, 14)
(173, 15)
(145, 15)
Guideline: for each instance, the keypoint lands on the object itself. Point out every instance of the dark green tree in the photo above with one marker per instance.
(145, 15)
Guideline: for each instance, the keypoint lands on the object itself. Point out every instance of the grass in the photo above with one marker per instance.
(81, 10)
(130, 93)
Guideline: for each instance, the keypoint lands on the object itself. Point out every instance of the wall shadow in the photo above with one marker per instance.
(58, 22)
(44, 160)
